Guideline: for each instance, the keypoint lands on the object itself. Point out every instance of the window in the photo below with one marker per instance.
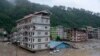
(33, 33)
(33, 40)
(29, 45)
(42, 20)
(46, 20)
(29, 39)
(28, 33)
(46, 45)
(26, 38)
(28, 27)
(25, 33)
(46, 33)
(39, 40)
(46, 39)
(46, 27)
(39, 33)
(33, 46)
(39, 46)
(34, 27)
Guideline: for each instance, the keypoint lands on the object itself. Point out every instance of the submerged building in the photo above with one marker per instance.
(33, 31)
(77, 35)
(96, 33)
(90, 32)
(58, 31)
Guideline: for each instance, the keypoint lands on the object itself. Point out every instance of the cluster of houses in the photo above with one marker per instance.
(34, 32)
(75, 34)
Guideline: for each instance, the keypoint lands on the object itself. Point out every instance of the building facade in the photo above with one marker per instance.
(77, 35)
(90, 32)
(58, 31)
(97, 33)
(33, 31)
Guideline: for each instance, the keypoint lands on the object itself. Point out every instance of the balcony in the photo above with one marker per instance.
(24, 24)
(47, 17)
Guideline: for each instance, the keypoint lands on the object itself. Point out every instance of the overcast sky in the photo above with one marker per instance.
(92, 5)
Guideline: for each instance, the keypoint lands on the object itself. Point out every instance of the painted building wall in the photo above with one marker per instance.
(53, 33)
(58, 31)
(34, 31)
(77, 35)
(97, 33)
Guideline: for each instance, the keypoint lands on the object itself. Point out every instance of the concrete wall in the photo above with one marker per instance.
(38, 32)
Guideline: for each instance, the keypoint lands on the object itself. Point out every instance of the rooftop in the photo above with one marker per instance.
(36, 13)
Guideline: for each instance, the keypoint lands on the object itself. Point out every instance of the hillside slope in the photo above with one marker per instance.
(70, 17)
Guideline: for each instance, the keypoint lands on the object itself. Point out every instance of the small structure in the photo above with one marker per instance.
(77, 35)
(3, 35)
(58, 45)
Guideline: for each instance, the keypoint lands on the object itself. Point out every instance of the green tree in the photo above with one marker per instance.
(58, 38)
(70, 17)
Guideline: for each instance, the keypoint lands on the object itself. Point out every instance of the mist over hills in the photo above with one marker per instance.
(70, 17)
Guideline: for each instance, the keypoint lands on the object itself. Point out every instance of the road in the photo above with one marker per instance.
(84, 50)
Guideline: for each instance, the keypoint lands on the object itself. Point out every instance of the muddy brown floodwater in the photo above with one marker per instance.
(89, 48)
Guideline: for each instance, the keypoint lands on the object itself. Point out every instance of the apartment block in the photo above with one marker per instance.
(90, 32)
(58, 31)
(33, 31)
(97, 33)
(77, 35)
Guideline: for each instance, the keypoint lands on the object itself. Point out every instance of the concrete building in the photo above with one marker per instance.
(58, 31)
(93, 33)
(33, 31)
(96, 34)
(14, 37)
(77, 35)
(53, 33)
(90, 32)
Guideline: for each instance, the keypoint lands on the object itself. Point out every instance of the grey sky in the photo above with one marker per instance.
(92, 5)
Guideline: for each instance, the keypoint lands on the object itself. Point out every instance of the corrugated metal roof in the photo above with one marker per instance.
(53, 44)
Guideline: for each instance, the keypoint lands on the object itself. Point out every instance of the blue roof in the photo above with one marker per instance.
(53, 44)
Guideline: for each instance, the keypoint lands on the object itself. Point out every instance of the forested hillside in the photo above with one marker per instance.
(68, 17)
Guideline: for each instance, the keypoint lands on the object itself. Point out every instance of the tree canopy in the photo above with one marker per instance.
(68, 17)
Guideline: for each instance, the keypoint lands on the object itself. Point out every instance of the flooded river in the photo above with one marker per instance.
(89, 48)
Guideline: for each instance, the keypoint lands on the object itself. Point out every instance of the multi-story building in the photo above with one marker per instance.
(93, 33)
(53, 33)
(90, 32)
(58, 31)
(97, 33)
(33, 31)
(14, 38)
(77, 35)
